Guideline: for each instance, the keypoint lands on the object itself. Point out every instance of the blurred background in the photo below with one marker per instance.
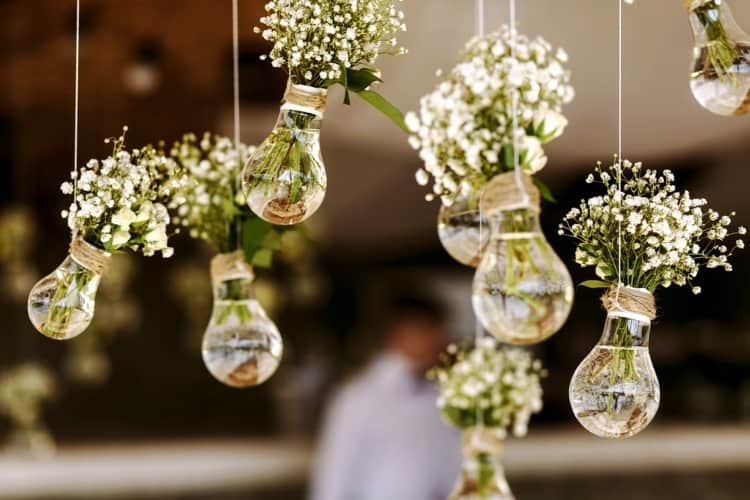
(128, 410)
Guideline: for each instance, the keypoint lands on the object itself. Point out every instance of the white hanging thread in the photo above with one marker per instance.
(236, 95)
(619, 149)
(236, 73)
(75, 105)
(479, 331)
(514, 110)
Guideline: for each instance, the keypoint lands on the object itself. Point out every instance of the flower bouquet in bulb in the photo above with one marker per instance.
(117, 206)
(487, 392)
(464, 128)
(720, 78)
(241, 346)
(638, 239)
(320, 43)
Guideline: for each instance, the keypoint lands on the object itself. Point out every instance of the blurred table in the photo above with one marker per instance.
(171, 468)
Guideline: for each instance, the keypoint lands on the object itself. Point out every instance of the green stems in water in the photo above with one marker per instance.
(233, 302)
(721, 49)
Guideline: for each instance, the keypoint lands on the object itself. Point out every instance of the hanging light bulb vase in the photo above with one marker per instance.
(522, 291)
(241, 347)
(720, 78)
(463, 230)
(482, 474)
(284, 181)
(614, 392)
(61, 305)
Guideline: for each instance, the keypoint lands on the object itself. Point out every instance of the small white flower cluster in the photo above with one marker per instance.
(209, 199)
(318, 40)
(667, 236)
(490, 387)
(119, 200)
(464, 129)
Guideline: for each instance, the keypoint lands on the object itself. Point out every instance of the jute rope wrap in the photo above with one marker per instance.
(482, 440)
(502, 193)
(305, 99)
(89, 256)
(230, 266)
(630, 300)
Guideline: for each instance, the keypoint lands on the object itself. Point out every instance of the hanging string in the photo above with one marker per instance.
(75, 105)
(514, 109)
(236, 95)
(478, 330)
(236, 73)
(619, 148)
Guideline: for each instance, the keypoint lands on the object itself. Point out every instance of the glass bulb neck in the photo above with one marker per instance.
(232, 277)
(294, 118)
(624, 329)
(520, 220)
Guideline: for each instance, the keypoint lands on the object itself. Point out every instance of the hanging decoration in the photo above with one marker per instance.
(464, 129)
(720, 78)
(24, 389)
(487, 393)
(241, 346)
(667, 237)
(117, 205)
(320, 44)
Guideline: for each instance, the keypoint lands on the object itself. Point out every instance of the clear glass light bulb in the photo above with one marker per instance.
(463, 232)
(720, 78)
(241, 347)
(482, 474)
(522, 292)
(61, 305)
(284, 180)
(614, 392)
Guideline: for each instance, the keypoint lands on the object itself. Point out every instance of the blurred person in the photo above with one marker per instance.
(383, 437)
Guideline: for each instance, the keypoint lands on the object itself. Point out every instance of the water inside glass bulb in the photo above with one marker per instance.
(522, 291)
(614, 392)
(284, 180)
(242, 347)
(463, 231)
(482, 474)
(720, 78)
(61, 305)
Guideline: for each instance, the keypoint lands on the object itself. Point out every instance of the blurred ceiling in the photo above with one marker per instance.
(373, 204)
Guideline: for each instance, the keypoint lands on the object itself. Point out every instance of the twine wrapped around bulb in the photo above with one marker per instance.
(90, 257)
(230, 266)
(305, 98)
(633, 300)
(482, 440)
(502, 193)
(693, 4)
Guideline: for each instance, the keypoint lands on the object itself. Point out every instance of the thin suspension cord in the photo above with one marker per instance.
(514, 108)
(75, 105)
(480, 23)
(236, 85)
(236, 70)
(619, 146)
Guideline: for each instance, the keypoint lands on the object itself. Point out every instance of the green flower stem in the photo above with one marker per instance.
(485, 475)
(721, 49)
(66, 300)
(233, 302)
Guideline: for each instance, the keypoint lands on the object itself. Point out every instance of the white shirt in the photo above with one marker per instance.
(383, 439)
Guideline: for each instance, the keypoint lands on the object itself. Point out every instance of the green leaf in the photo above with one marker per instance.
(545, 191)
(358, 80)
(254, 231)
(345, 83)
(595, 284)
(263, 258)
(380, 103)
(272, 241)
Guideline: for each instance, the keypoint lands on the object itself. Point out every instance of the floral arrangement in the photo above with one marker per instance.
(120, 200)
(209, 202)
(489, 387)
(464, 128)
(667, 236)
(327, 42)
